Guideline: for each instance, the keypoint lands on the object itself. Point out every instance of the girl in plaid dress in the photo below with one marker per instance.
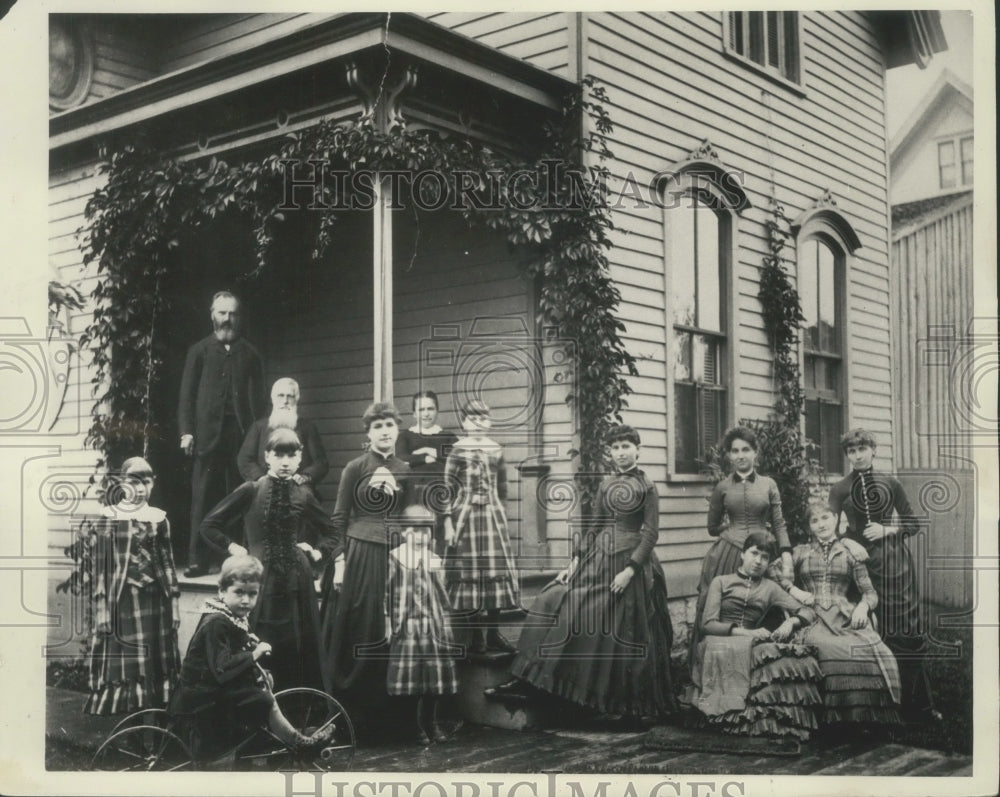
(134, 660)
(421, 650)
(480, 566)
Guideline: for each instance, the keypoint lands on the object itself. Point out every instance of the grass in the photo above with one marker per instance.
(68, 674)
(951, 683)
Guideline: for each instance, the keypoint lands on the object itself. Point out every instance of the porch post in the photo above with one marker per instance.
(382, 289)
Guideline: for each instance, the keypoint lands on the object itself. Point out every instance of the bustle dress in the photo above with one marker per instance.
(860, 676)
(748, 686)
(605, 651)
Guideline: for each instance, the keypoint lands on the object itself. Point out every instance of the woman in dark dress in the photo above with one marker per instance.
(276, 513)
(741, 504)
(615, 583)
(879, 518)
(353, 635)
(425, 447)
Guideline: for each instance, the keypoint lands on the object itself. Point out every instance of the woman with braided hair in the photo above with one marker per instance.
(276, 513)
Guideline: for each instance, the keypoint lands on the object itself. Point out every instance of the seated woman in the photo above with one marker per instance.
(747, 679)
(224, 695)
(860, 674)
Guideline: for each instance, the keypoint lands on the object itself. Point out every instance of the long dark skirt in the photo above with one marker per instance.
(353, 625)
(901, 619)
(287, 616)
(722, 559)
(607, 652)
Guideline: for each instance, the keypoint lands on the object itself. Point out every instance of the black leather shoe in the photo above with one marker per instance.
(193, 571)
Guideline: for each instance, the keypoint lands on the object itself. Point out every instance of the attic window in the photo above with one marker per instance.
(769, 40)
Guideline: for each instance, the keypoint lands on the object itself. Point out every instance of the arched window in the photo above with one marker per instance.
(701, 201)
(825, 242)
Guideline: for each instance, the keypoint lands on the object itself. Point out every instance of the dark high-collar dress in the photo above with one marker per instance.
(872, 497)
(278, 514)
(605, 651)
(355, 653)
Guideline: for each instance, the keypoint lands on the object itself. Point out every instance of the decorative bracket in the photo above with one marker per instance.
(826, 200)
(381, 102)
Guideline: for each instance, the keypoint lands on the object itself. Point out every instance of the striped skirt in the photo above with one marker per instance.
(138, 664)
(422, 661)
(479, 570)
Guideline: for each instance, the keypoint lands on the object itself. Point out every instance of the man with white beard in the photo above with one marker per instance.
(284, 415)
(222, 393)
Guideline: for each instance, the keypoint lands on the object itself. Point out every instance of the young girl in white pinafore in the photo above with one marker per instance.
(134, 660)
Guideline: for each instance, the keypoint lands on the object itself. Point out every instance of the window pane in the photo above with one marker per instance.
(709, 295)
(832, 372)
(756, 22)
(807, 292)
(827, 299)
(790, 67)
(809, 372)
(967, 161)
(685, 428)
(772, 38)
(831, 422)
(705, 359)
(813, 433)
(682, 356)
(712, 424)
(682, 253)
(946, 163)
(736, 31)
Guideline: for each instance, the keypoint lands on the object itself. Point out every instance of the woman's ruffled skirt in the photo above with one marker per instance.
(760, 688)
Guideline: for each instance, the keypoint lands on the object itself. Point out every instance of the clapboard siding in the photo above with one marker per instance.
(931, 288)
(540, 39)
(670, 88)
(215, 35)
(65, 489)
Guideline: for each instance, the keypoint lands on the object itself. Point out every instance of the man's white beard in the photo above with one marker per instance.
(283, 419)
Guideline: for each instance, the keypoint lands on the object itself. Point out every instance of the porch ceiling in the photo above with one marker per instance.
(446, 60)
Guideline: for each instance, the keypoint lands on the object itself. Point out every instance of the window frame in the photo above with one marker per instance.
(795, 61)
(957, 164)
(694, 177)
(832, 229)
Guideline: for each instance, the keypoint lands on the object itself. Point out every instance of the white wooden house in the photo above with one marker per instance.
(789, 104)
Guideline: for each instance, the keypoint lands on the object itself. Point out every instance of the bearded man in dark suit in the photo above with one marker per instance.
(222, 394)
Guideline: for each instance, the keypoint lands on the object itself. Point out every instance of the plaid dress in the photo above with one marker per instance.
(421, 651)
(134, 580)
(860, 675)
(480, 567)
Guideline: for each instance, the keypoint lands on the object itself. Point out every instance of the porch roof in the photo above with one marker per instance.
(344, 37)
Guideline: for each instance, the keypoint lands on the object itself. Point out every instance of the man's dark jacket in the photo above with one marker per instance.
(203, 390)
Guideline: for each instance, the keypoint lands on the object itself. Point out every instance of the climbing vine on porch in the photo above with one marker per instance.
(783, 447)
(151, 203)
